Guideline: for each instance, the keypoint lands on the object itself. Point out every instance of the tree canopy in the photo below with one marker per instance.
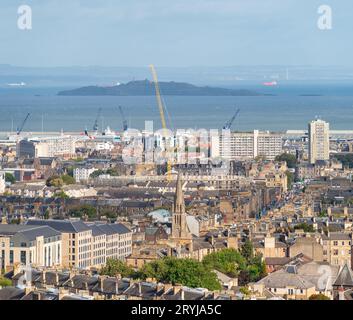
(290, 159)
(306, 227)
(4, 282)
(228, 261)
(114, 267)
(59, 181)
(9, 177)
(188, 272)
(84, 210)
(67, 179)
(193, 273)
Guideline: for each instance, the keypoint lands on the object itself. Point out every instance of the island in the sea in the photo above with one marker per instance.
(146, 88)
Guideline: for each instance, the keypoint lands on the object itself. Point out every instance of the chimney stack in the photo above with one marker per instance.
(341, 294)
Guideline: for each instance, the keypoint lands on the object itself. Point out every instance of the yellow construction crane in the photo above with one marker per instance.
(161, 113)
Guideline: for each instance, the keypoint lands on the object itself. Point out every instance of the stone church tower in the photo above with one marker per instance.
(180, 229)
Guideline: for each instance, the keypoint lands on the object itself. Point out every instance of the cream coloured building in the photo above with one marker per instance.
(337, 248)
(319, 140)
(76, 241)
(90, 245)
(29, 245)
(57, 146)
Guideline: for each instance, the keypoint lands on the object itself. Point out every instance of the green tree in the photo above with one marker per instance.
(245, 291)
(290, 179)
(247, 250)
(305, 227)
(67, 179)
(4, 282)
(82, 211)
(290, 159)
(323, 213)
(228, 261)
(54, 181)
(97, 173)
(109, 214)
(112, 172)
(70, 171)
(114, 267)
(46, 214)
(187, 272)
(9, 177)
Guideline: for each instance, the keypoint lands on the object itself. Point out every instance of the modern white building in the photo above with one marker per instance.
(82, 174)
(246, 145)
(57, 146)
(30, 245)
(319, 140)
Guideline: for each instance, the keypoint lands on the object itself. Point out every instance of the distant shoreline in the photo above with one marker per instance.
(146, 88)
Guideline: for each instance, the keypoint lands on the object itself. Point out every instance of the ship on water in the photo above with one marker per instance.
(270, 84)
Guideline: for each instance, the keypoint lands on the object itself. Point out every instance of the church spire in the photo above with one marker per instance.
(179, 225)
(179, 204)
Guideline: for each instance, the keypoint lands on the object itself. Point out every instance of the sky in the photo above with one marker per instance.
(176, 33)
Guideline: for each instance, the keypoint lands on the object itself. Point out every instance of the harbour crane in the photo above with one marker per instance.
(123, 117)
(95, 126)
(161, 113)
(229, 124)
(19, 129)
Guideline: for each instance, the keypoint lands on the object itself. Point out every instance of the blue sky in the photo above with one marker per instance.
(176, 33)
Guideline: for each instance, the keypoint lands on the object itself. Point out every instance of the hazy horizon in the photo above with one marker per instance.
(169, 33)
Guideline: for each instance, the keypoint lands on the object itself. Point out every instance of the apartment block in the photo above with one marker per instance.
(82, 174)
(88, 245)
(58, 146)
(29, 245)
(319, 141)
(76, 241)
(246, 145)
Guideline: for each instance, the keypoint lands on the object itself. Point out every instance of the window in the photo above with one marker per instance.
(23, 244)
(11, 256)
(23, 257)
(335, 243)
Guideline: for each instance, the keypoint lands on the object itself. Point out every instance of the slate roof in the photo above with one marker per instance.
(46, 161)
(65, 226)
(145, 290)
(111, 228)
(51, 278)
(11, 293)
(189, 294)
(344, 278)
(111, 286)
(28, 231)
(81, 282)
(45, 231)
